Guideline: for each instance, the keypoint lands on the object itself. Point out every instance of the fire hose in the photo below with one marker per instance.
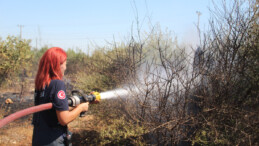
(76, 98)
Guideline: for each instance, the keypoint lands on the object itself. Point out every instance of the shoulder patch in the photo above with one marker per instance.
(61, 94)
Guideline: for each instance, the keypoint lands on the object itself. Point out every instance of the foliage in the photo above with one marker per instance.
(121, 132)
(115, 128)
(101, 71)
(91, 82)
(15, 58)
(229, 100)
(212, 102)
(77, 61)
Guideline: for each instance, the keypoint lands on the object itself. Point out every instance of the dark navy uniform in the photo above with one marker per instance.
(47, 130)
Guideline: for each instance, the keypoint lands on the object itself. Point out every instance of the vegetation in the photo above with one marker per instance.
(15, 55)
(208, 96)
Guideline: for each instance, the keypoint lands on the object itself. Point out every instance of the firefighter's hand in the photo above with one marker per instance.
(84, 106)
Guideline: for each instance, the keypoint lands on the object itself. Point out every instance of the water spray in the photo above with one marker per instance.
(114, 93)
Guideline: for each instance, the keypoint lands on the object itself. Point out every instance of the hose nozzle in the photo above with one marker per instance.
(78, 97)
(97, 97)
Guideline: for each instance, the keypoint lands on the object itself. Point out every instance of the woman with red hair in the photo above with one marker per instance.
(50, 126)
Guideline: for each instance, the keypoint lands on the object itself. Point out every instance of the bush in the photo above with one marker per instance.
(103, 70)
(15, 59)
(210, 101)
(229, 71)
(122, 131)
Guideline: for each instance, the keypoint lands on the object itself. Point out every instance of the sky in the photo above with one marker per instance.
(82, 23)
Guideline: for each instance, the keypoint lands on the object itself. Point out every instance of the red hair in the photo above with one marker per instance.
(49, 67)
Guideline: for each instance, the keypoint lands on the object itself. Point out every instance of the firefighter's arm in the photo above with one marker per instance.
(65, 117)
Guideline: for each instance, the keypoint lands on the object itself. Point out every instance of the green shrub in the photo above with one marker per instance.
(121, 131)
(15, 59)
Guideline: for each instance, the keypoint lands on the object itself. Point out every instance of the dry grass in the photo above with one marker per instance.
(17, 133)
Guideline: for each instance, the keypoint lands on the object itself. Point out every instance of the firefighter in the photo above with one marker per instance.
(50, 126)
